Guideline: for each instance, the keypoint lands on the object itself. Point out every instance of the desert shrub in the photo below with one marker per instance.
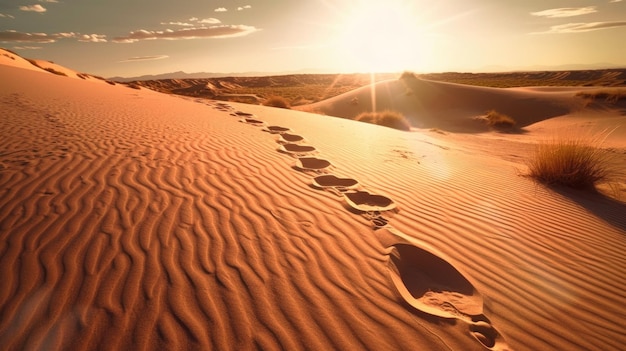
(52, 70)
(408, 75)
(390, 119)
(608, 95)
(277, 101)
(572, 162)
(499, 120)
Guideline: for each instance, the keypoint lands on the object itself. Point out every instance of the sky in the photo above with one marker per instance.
(139, 37)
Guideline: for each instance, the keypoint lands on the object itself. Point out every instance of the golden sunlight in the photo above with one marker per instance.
(380, 37)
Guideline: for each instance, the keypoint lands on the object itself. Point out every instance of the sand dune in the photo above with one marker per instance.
(448, 106)
(135, 220)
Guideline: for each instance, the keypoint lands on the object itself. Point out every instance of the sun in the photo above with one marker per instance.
(380, 37)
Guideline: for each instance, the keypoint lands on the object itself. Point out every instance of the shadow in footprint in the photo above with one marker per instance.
(365, 202)
(277, 129)
(312, 164)
(332, 181)
(253, 121)
(290, 138)
(296, 149)
(243, 114)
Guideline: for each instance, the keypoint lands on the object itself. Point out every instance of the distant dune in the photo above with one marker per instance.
(136, 220)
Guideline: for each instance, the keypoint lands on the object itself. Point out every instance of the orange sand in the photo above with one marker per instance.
(135, 220)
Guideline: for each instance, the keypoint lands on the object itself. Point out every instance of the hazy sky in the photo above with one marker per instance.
(136, 37)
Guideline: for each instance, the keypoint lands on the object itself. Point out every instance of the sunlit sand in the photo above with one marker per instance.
(131, 219)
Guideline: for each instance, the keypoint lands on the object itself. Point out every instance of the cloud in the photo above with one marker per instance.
(582, 27)
(2, 15)
(193, 19)
(33, 8)
(241, 8)
(565, 12)
(19, 37)
(209, 21)
(612, 1)
(223, 31)
(182, 24)
(11, 36)
(92, 38)
(27, 47)
(50, 1)
(145, 58)
(221, 9)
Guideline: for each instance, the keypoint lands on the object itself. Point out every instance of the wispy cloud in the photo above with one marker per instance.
(612, 1)
(182, 24)
(19, 37)
(241, 8)
(565, 12)
(12, 36)
(49, 1)
(221, 9)
(2, 15)
(209, 21)
(193, 19)
(582, 27)
(145, 58)
(223, 31)
(92, 38)
(33, 8)
(27, 47)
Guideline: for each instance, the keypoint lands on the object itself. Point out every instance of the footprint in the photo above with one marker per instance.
(312, 164)
(427, 281)
(243, 114)
(296, 149)
(332, 181)
(366, 202)
(253, 121)
(277, 129)
(290, 138)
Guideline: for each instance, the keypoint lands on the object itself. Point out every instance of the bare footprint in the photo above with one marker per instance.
(253, 121)
(290, 138)
(366, 202)
(312, 164)
(332, 181)
(296, 149)
(277, 129)
(427, 281)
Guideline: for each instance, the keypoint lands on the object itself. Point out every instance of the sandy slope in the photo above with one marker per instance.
(135, 220)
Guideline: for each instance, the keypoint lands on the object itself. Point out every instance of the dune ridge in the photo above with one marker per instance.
(130, 219)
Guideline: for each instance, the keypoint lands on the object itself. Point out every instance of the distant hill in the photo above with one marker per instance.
(204, 75)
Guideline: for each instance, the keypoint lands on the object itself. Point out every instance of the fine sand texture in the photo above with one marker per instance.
(134, 220)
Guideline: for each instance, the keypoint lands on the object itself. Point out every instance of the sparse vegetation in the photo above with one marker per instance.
(277, 101)
(498, 120)
(408, 75)
(390, 119)
(572, 162)
(52, 70)
(608, 95)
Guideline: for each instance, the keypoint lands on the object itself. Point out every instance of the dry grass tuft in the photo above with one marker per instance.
(572, 162)
(608, 95)
(277, 101)
(499, 120)
(390, 119)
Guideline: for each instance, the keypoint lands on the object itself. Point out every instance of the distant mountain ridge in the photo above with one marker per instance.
(207, 75)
